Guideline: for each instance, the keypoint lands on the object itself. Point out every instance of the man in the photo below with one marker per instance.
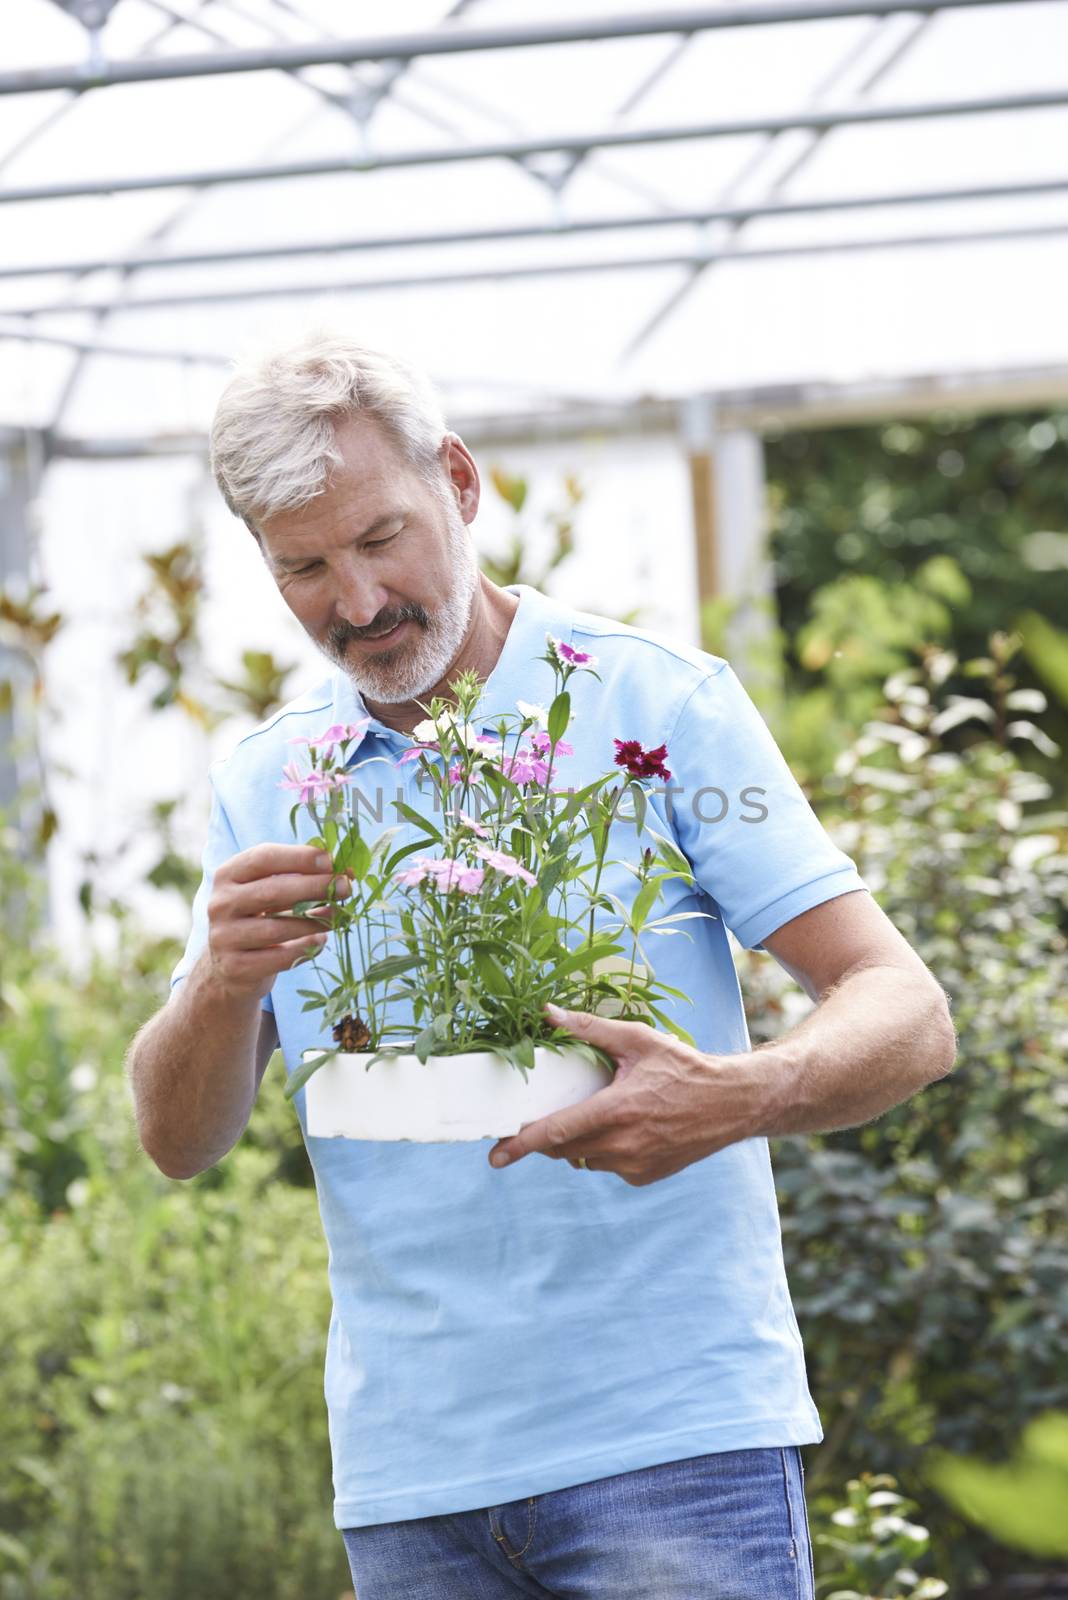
(578, 1375)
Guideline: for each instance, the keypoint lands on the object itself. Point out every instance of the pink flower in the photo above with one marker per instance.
(525, 767)
(416, 872)
(340, 733)
(568, 654)
(542, 743)
(641, 763)
(458, 875)
(310, 784)
(413, 754)
(503, 862)
(447, 873)
(476, 827)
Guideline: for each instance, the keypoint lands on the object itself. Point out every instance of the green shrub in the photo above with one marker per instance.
(165, 1428)
(928, 1251)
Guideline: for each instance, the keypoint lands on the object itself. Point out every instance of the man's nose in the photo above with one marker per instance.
(360, 597)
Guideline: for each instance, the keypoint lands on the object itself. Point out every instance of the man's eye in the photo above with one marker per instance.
(298, 572)
(372, 544)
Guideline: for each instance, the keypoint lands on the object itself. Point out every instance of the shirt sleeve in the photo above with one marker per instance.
(219, 847)
(755, 844)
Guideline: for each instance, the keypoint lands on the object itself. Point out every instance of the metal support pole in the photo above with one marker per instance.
(17, 733)
(698, 429)
(14, 567)
(735, 590)
(456, 41)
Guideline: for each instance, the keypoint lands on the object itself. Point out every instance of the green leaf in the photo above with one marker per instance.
(354, 857)
(1023, 1504)
(399, 855)
(672, 1027)
(491, 974)
(640, 801)
(559, 716)
(417, 820)
(441, 1024)
(644, 901)
(511, 489)
(671, 856)
(523, 1052)
(391, 967)
(1046, 647)
(424, 1043)
(583, 959)
(298, 1079)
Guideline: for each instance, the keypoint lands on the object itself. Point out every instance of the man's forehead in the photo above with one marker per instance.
(298, 535)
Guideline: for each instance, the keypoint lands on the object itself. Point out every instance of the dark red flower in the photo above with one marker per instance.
(641, 763)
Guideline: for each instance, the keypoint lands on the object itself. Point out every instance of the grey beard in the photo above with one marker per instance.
(409, 669)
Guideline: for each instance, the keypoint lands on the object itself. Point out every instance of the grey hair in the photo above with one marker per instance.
(272, 437)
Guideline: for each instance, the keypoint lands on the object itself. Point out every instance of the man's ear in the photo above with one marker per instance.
(452, 450)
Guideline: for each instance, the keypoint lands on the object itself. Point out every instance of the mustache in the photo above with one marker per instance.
(383, 623)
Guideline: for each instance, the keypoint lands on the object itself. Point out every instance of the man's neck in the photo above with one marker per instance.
(491, 617)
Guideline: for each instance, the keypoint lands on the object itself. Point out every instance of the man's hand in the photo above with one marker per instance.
(250, 914)
(667, 1106)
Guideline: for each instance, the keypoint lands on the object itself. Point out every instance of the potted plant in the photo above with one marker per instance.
(450, 944)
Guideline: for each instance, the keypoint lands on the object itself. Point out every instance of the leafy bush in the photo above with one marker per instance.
(165, 1431)
(901, 502)
(871, 1546)
(928, 1251)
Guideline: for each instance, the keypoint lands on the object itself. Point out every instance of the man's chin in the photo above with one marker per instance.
(385, 679)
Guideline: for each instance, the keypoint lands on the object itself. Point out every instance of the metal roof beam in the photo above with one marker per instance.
(809, 121)
(443, 41)
(27, 333)
(541, 230)
(496, 274)
(777, 406)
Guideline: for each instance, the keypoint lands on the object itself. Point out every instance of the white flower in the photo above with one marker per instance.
(424, 732)
(467, 734)
(534, 712)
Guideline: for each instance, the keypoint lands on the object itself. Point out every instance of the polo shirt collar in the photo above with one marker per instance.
(517, 675)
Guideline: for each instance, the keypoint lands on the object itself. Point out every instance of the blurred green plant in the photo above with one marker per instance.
(1024, 1502)
(1046, 647)
(987, 494)
(161, 1389)
(869, 1549)
(928, 1251)
(516, 564)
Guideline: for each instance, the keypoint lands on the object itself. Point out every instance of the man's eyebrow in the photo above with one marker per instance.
(380, 522)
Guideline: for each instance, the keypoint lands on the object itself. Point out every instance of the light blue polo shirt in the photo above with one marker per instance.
(500, 1334)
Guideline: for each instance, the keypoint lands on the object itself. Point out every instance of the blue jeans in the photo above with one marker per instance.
(727, 1526)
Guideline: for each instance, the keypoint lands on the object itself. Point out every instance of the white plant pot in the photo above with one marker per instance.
(479, 1095)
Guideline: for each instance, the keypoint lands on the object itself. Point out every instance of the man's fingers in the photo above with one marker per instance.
(266, 859)
(263, 933)
(282, 891)
(618, 1038)
(551, 1135)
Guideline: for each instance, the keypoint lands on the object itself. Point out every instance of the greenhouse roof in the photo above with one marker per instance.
(546, 206)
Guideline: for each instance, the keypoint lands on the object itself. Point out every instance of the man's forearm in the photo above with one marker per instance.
(192, 1069)
(880, 1035)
